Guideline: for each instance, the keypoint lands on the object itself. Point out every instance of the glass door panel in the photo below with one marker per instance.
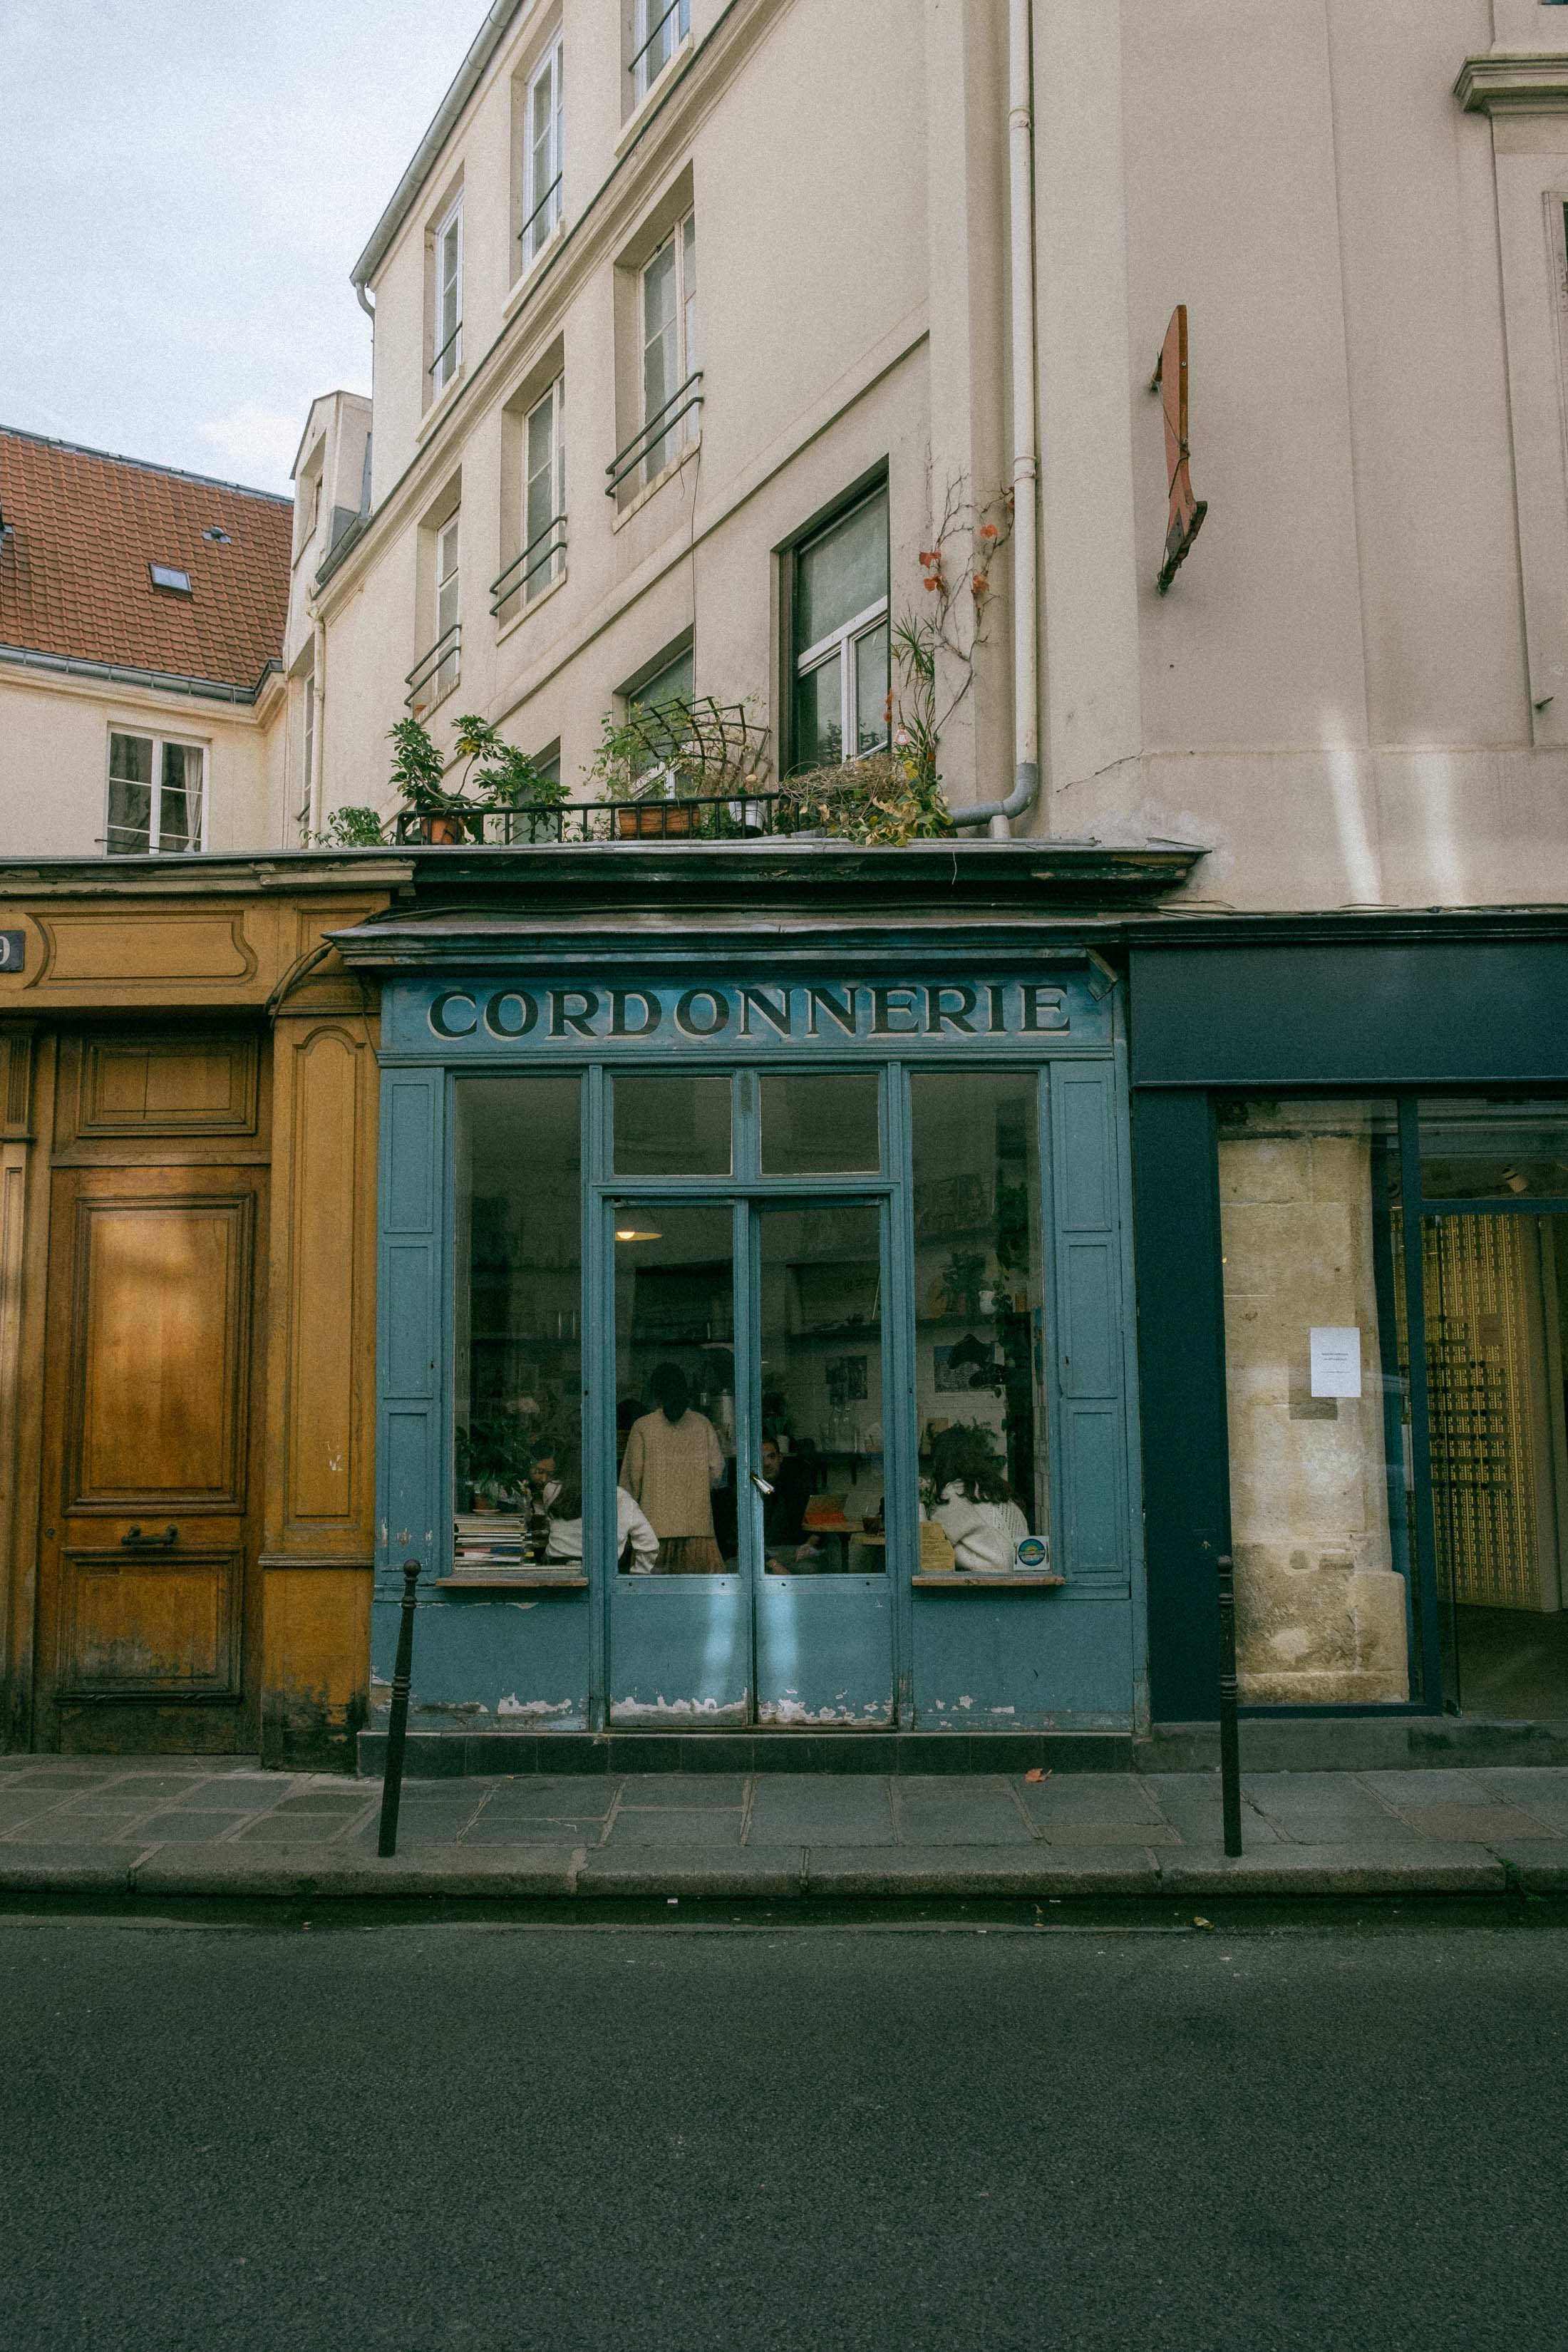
(1494, 1346)
(680, 1644)
(822, 1617)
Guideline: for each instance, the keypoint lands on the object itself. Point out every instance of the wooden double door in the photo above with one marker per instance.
(148, 1601)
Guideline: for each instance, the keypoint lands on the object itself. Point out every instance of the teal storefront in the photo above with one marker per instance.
(756, 1347)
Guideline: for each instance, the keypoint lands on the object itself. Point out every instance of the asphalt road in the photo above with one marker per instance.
(425, 2137)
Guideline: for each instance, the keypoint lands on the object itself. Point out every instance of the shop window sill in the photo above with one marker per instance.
(527, 1581)
(1003, 1580)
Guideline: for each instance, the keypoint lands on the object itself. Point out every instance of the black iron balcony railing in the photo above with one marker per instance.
(448, 346)
(659, 427)
(711, 817)
(523, 569)
(436, 673)
(546, 205)
(645, 67)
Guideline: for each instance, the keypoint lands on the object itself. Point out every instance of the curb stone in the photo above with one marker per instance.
(1079, 1870)
(1528, 1866)
(769, 1876)
(1404, 1869)
(66, 1869)
(522, 1870)
(1537, 1866)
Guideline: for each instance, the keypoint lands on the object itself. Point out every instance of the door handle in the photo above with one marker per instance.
(762, 1485)
(137, 1541)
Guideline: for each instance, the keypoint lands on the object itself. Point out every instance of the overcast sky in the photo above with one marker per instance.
(184, 186)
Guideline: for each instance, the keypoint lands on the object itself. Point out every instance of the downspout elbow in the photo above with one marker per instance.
(366, 305)
(999, 814)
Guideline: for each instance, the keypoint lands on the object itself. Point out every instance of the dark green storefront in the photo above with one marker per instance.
(1351, 1203)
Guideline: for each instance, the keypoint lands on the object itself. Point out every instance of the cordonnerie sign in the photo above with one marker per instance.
(882, 1015)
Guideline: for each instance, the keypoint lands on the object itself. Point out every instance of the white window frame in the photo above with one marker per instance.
(538, 577)
(308, 746)
(446, 342)
(448, 605)
(156, 805)
(683, 430)
(843, 642)
(661, 27)
(542, 190)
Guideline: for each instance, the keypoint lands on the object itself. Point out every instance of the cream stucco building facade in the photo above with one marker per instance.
(1357, 692)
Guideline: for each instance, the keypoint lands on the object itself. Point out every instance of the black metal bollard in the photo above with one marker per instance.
(1229, 1729)
(398, 1727)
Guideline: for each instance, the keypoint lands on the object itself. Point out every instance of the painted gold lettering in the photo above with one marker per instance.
(885, 1002)
(777, 1009)
(840, 1009)
(511, 1014)
(620, 1027)
(564, 1022)
(1043, 1008)
(950, 1008)
(686, 1019)
(453, 1015)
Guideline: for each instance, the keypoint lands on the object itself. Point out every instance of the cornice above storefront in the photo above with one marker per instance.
(485, 908)
(276, 873)
(1518, 81)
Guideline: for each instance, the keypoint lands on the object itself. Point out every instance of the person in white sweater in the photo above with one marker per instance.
(973, 1506)
(637, 1545)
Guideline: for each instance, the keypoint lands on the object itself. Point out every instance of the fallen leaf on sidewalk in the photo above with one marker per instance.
(1200, 1922)
(1037, 1775)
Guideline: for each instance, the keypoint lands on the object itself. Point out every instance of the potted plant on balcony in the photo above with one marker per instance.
(418, 776)
(682, 769)
(506, 780)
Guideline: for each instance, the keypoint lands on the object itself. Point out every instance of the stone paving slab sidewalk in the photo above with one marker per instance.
(223, 1827)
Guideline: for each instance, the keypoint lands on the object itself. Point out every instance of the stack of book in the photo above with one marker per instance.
(491, 1540)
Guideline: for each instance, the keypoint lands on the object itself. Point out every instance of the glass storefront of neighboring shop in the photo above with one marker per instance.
(754, 1352)
(1375, 1383)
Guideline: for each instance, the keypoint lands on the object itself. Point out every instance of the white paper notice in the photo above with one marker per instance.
(1336, 1361)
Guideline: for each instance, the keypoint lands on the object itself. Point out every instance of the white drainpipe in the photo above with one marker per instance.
(998, 814)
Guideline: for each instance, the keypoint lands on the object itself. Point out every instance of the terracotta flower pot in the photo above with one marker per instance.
(442, 830)
(654, 821)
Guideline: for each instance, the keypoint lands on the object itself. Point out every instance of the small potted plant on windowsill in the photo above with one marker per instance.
(493, 1457)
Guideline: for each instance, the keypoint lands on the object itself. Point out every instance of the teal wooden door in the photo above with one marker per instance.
(748, 1347)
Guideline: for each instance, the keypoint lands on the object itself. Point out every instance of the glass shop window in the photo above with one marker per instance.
(821, 1124)
(980, 1325)
(1494, 1260)
(820, 1353)
(675, 1390)
(1317, 1401)
(1496, 1149)
(671, 1127)
(518, 1358)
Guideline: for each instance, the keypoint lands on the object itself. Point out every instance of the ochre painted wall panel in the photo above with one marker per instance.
(315, 1666)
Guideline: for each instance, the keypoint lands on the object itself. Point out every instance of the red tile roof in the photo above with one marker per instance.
(83, 529)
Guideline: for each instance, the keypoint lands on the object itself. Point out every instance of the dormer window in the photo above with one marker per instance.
(170, 579)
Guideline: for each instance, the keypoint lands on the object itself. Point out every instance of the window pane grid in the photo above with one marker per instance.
(156, 797)
(842, 639)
